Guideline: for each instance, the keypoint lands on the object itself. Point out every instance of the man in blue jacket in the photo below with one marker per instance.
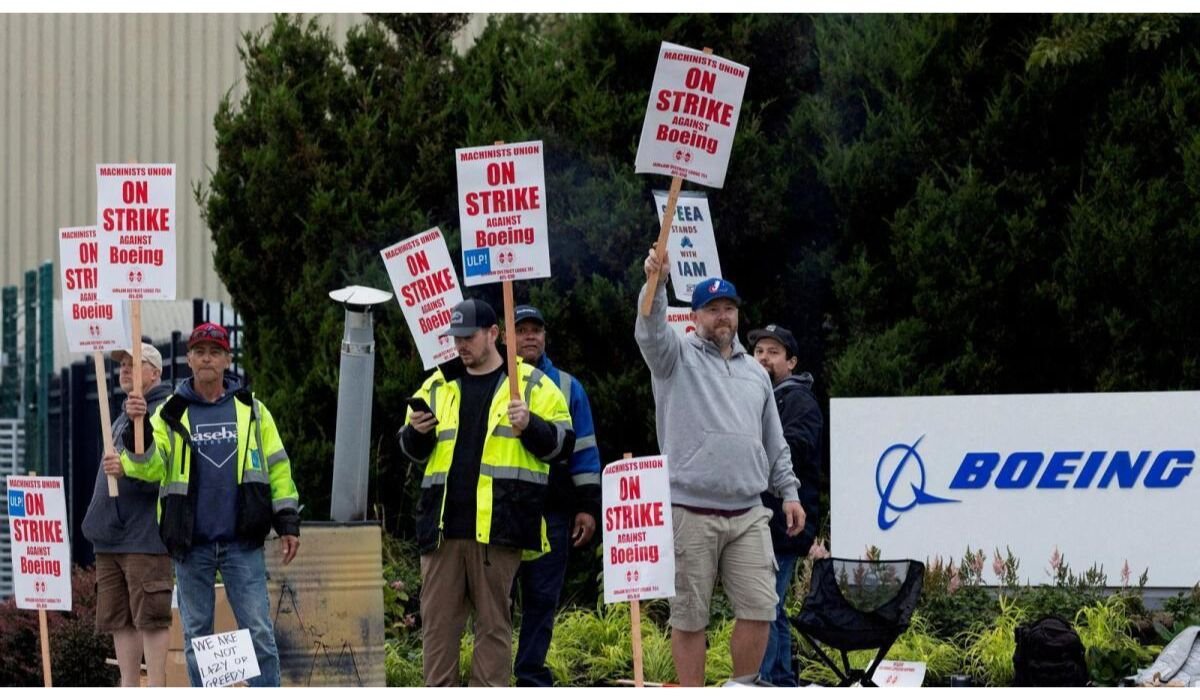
(572, 506)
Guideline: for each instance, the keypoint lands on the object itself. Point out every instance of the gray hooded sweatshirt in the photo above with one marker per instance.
(127, 524)
(716, 418)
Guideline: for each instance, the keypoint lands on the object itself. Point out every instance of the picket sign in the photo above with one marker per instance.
(661, 244)
(157, 222)
(89, 327)
(44, 636)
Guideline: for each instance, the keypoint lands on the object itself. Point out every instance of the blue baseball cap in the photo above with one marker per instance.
(714, 288)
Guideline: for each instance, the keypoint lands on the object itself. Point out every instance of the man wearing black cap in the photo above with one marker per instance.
(572, 507)
(486, 466)
(718, 426)
(775, 348)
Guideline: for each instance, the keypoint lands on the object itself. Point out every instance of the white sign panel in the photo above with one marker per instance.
(691, 116)
(691, 246)
(40, 542)
(899, 674)
(639, 542)
(502, 211)
(427, 289)
(679, 318)
(225, 658)
(93, 324)
(921, 477)
(135, 214)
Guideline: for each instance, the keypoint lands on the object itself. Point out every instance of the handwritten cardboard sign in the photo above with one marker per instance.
(225, 658)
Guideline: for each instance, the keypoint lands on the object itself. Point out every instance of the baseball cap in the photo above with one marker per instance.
(780, 334)
(525, 312)
(469, 316)
(714, 288)
(149, 354)
(209, 332)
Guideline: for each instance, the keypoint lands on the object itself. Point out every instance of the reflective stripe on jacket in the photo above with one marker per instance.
(511, 490)
(266, 493)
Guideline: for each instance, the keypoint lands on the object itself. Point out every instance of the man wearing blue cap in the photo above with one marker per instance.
(572, 506)
(717, 423)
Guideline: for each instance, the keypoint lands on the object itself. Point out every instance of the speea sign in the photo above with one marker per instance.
(1105, 478)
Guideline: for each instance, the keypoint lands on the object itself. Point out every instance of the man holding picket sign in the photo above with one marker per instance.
(133, 571)
(713, 404)
(717, 423)
(486, 465)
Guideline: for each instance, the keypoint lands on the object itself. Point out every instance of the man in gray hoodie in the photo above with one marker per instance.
(133, 571)
(719, 427)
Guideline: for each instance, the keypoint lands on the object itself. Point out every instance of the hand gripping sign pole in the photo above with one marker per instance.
(691, 119)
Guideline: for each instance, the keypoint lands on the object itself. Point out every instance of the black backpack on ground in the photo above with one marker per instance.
(1049, 654)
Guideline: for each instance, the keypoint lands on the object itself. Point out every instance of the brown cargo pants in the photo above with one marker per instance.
(461, 577)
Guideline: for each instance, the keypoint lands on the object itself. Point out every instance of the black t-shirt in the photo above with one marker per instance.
(463, 480)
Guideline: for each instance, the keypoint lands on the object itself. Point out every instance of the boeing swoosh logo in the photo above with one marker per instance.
(901, 465)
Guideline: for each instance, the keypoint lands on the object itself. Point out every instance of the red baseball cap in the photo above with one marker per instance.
(209, 333)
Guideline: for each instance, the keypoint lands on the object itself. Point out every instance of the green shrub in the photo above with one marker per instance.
(1112, 653)
(988, 650)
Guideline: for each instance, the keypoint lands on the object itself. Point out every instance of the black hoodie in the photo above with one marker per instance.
(802, 422)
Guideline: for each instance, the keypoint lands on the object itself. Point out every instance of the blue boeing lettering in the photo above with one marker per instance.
(1124, 468)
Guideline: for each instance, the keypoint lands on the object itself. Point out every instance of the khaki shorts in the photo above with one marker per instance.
(133, 590)
(739, 549)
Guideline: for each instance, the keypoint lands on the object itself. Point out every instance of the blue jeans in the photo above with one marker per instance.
(244, 572)
(777, 661)
(541, 582)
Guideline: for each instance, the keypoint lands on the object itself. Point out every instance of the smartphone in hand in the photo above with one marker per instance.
(419, 405)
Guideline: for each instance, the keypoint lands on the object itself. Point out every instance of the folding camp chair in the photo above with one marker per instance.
(856, 605)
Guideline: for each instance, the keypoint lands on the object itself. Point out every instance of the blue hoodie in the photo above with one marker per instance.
(215, 479)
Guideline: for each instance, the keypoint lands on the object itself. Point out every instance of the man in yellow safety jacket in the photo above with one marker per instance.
(487, 465)
(224, 481)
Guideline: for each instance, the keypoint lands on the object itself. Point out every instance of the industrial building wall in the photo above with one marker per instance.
(82, 89)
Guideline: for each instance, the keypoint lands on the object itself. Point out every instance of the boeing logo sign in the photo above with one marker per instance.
(900, 467)
(900, 477)
(1105, 478)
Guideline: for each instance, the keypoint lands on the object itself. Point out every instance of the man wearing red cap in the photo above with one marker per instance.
(226, 480)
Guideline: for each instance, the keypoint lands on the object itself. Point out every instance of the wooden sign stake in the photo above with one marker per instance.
(105, 421)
